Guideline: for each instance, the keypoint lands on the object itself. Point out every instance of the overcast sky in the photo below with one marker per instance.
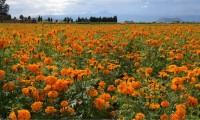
(104, 7)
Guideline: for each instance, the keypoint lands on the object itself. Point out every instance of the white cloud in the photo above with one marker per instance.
(116, 7)
(39, 7)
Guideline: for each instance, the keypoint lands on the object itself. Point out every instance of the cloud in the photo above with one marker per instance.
(39, 7)
(114, 7)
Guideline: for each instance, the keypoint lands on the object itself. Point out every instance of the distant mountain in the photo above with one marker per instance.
(168, 20)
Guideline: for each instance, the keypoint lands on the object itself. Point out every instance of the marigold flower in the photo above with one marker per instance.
(197, 86)
(50, 80)
(70, 110)
(2, 74)
(50, 110)
(180, 106)
(33, 68)
(92, 92)
(164, 103)
(61, 85)
(101, 104)
(52, 94)
(154, 106)
(48, 61)
(24, 59)
(139, 116)
(36, 106)
(113, 113)
(23, 115)
(102, 84)
(179, 56)
(12, 116)
(181, 112)
(149, 70)
(40, 78)
(136, 64)
(164, 117)
(111, 88)
(9, 86)
(175, 117)
(192, 101)
(105, 96)
(65, 72)
(64, 103)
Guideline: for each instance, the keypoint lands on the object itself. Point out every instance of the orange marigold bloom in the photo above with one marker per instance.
(149, 70)
(9, 86)
(65, 72)
(12, 116)
(52, 94)
(102, 84)
(50, 110)
(139, 116)
(2, 74)
(50, 80)
(165, 103)
(48, 61)
(180, 106)
(181, 112)
(111, 88)
(92, 92)
(33, 68)
(70, 110)
(61, 85)
(24, 58)
(179, 56)
(197, 86)
(105, 96)
(23, 115)
(101, 104)
(175, 117)
(163, 74)
(40, 78)
(192, 101)
(136, 64)
(164, 117)
(64, 103)
(154, 106)
(198, 52)
(36, 106)
(177, 81)
(113, 113)
(78, 48)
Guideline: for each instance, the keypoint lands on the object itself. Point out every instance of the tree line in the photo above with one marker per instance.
(4, 9)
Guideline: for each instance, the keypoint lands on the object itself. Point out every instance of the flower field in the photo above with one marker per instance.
(118, 71)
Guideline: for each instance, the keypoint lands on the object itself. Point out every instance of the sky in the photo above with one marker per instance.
(124, 9)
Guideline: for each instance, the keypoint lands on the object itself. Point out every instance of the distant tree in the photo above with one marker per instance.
(115, 19)
(29, 17)
(4, 8)
(21, 17)
(40, 18)
(71, 20)
(49, 19)
(14, 18)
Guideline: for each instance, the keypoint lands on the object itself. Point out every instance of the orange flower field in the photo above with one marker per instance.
(111, 71)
